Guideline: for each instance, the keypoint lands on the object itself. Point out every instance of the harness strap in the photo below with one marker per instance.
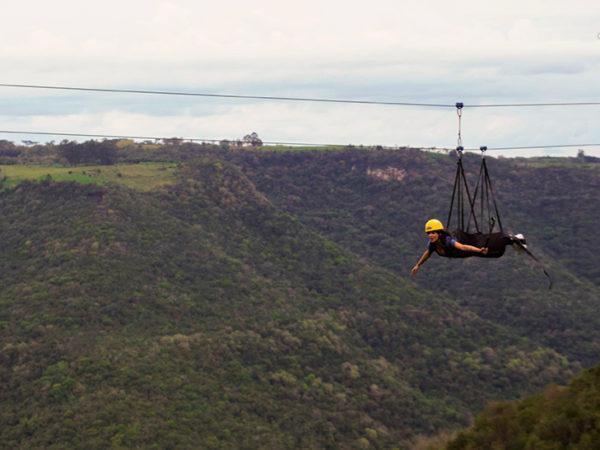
(471, 205)
(458, 192)
(491, 190)
(456, 178)
(484, 190)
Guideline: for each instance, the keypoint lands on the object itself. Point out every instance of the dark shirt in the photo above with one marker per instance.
(445, 244)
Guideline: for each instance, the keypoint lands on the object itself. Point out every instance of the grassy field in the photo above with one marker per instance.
(542, 162)
(141, 177)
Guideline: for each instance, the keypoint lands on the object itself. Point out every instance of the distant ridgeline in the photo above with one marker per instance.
(196, 296)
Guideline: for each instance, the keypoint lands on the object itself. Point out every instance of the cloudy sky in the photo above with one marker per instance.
(431, 51)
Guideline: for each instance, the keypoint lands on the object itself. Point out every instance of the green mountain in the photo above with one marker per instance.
(376, 203)
(559, 418)
(261, 300)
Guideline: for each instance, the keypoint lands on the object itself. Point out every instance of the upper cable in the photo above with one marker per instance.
(239, 96)
(291, 99)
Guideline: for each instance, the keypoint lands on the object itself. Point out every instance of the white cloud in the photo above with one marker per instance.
(434, 51)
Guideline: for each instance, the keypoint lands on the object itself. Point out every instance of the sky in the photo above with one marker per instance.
(428, 52)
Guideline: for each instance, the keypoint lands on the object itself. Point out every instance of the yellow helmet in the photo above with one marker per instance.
(433, 225)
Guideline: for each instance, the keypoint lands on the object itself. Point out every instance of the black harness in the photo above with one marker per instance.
(481, 205)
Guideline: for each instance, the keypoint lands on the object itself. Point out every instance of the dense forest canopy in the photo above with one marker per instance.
(559, 418)
(180, 295)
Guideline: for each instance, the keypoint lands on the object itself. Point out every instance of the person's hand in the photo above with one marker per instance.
(414, 270)
(484, 250)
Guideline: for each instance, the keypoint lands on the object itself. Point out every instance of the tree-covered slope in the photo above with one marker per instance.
(559, 418)
(201, 315)
(375, 203)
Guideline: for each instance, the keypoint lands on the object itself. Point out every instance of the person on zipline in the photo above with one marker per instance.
(441, 242)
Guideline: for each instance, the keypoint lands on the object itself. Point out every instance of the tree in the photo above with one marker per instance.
(89, 152)
(252, 139)
(7, 148)
(68, 150)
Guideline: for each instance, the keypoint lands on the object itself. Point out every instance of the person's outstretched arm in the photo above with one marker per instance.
(420, 262)
(470, 248)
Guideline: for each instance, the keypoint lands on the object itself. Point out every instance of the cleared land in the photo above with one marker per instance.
(141, 177)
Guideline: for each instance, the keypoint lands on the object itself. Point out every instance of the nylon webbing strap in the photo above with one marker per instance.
(484, 190)
(471, 203)
(528, 252)
(491, 191)
(456, 184)
(459, 192)
(475, 193)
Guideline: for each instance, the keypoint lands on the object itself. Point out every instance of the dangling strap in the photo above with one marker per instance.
(522, 247)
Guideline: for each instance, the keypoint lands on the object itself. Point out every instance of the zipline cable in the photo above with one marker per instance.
(162, 138)
(237, 96)
(525, 105)
(292, 99)
(541, 147)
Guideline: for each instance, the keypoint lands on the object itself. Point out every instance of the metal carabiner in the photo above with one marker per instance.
(459, 107)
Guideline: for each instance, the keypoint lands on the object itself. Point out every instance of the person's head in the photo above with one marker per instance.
(434, 229)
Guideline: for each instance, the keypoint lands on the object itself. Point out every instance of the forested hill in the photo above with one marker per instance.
(560, 417)
(376, 203)
(225, 298)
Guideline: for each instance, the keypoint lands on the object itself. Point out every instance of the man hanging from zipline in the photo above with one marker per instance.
(442, 243)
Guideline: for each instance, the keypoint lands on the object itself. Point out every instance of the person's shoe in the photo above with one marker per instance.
(520, 239)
